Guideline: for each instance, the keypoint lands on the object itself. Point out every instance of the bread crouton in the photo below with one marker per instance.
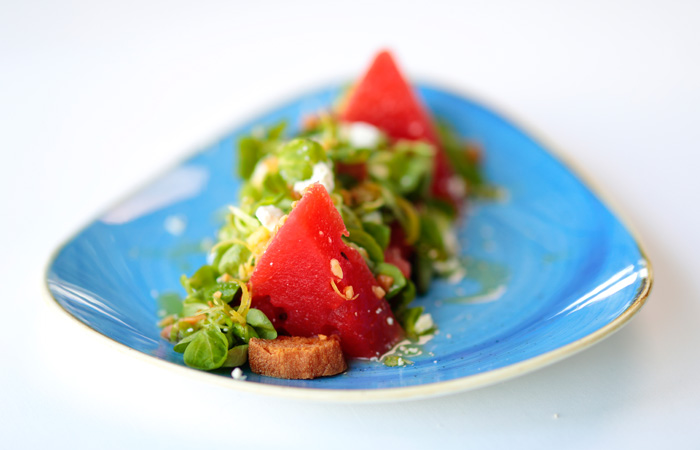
(296, 358)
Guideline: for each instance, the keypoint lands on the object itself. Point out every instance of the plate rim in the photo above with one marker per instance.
(421, 391)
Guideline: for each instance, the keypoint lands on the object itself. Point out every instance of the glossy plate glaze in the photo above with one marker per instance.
(550, 269)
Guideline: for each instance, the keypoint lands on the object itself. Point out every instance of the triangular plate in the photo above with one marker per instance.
(550, 269)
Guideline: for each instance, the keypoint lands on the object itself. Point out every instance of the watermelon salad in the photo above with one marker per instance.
(338, 229)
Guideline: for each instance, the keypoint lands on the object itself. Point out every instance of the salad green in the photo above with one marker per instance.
(381, 189)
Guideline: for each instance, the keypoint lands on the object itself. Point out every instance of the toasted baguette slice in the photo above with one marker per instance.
(296, 358)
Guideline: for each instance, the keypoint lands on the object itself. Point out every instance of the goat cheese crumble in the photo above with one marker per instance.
(322, 173)
(363, 135)
(424, 323)
(269, 216)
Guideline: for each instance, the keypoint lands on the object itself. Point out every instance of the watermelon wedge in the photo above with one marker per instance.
(309, 282)
(385, 99)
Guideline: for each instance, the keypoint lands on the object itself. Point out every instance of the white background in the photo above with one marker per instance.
(97, 97)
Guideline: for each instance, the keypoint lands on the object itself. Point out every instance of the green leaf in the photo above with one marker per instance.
(205, 276)
(219, 318)
(228, 291)
(249, 153)
(408, 317)
(443, 207)
(181, 330)
(350, 155)
(193, 303)
(237, 356)
(422, 272)
(459, 160)
(244, 332)
(218, 252)
(208, 350)
(396, 275)
(297, 158)
(350, 218)
(275, 132)
(230, 337)
(274, 188)
(262, 325)
(404, 297)
(234, 256)
(409, 219)
(406, 169)
(243, 222)
(252, 149)
(431, 234)
(184, 342)
(381, 233)
(366, 241)
(396, 361)
(170, 303)
(185, 282)
(405, 213)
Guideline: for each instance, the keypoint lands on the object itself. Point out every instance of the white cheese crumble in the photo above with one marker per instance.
(363, 135)
(237, 374)
(424, 323)
(269, 216)
(322, 173)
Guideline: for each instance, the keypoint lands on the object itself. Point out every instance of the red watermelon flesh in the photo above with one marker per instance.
(291, 283)
(385, 99)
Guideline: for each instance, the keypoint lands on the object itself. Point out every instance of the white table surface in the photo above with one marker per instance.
(97, 97)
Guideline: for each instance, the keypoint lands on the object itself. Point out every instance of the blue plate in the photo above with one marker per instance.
(550, 269)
